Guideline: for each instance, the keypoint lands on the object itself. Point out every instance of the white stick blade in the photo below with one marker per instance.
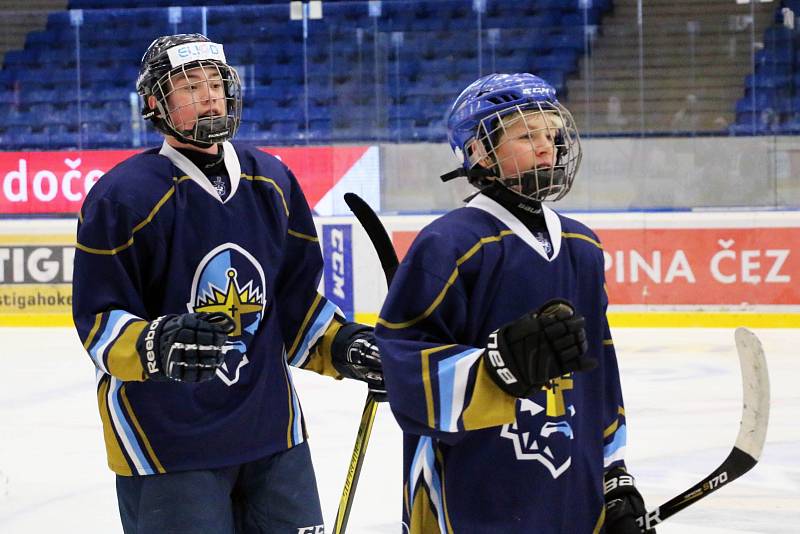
(755, 394)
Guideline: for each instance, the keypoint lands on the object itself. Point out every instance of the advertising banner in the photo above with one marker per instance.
(682, 270)
(703, 266)
(57, 182)
(36, 278)
(728, 266)
(337, 252)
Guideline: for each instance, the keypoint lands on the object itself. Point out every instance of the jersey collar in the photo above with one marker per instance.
(197, 176)
(553, 223)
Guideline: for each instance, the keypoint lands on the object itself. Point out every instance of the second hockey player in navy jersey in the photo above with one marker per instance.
(497, 353)
(195, 289)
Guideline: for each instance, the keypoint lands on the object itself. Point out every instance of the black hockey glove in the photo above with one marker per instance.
(524, 355)
(356, 356)
(624, 503)
(186, 348)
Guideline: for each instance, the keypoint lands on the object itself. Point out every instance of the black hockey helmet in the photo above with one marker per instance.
(164, 69)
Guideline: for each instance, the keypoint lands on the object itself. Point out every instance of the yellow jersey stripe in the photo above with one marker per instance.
(116, 459)
(93, 332)
(450, 281)
(123, 359)
(142, 437)
(489, 405)
(273, 184)
(440, 459)
(129, 242)
(290, 426)
(307, 237)
(613, 426)
(598, 527)
(570, 235)
(306, 319)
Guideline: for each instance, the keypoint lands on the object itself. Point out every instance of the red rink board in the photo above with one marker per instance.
(695, 266)
(57, 182)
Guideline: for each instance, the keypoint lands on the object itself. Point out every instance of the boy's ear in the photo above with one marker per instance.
(477, 154)
(151, 103)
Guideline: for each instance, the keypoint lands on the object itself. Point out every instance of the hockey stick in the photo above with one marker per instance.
(749, 442)
(388, 258)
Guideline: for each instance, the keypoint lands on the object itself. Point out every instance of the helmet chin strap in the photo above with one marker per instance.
(476, 173)
(540, 184)
(533, 184)
(205, 129)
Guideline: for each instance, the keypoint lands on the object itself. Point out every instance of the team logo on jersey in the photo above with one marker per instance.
(219, 184)
(230, 280)
(542, 432)
(542, 238)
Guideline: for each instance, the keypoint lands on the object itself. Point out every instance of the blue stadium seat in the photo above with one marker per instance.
(754, 123)
(38, 140)
(767, 82)
(774, 69)
(418, 79)
(778, 37)
(64, 136)
(8, 97)
(755, 103)
(767, 56)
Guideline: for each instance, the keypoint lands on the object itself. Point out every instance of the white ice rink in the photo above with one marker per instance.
(682, 390)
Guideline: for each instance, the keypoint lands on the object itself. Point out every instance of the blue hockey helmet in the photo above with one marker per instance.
(483, 112)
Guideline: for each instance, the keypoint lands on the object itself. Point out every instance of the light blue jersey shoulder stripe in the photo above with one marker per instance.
(315, 332)
(117, 319)
(125, 432)
(615, 450)
(453, 375)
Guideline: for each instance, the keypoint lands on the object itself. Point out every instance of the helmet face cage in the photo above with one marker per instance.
(497, 125)
(196, 95)
(187, 97)
(533, 149)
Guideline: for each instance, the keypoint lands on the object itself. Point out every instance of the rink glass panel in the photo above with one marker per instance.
(698, 110)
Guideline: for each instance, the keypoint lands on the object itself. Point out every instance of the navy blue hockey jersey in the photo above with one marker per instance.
(475, 458)
(154, 237)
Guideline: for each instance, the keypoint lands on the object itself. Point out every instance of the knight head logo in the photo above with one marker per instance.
(542, 432)
(230, 280)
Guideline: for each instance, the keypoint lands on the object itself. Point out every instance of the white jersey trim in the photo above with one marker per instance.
(197, 176)
(553, 223)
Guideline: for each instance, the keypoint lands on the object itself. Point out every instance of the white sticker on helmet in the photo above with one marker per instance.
(182, 54)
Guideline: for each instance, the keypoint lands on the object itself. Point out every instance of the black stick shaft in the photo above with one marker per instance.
(388, 258)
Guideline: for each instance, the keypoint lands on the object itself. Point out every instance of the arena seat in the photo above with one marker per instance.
(423, 59)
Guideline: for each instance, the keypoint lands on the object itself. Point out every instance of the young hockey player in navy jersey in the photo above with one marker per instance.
(497, 353)
(195, 287)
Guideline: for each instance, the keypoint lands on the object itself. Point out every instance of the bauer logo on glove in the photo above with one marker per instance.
(526, 354)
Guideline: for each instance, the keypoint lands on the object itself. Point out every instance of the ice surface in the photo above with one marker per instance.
(683, 402)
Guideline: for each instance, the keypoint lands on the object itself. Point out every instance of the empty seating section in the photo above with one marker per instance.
(365, 71)
(771, 101)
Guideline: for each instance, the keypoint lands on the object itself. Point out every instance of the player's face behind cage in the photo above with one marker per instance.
(534, 150)
(200, 101)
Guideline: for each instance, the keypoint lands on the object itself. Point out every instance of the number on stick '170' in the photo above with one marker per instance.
(752, 432)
